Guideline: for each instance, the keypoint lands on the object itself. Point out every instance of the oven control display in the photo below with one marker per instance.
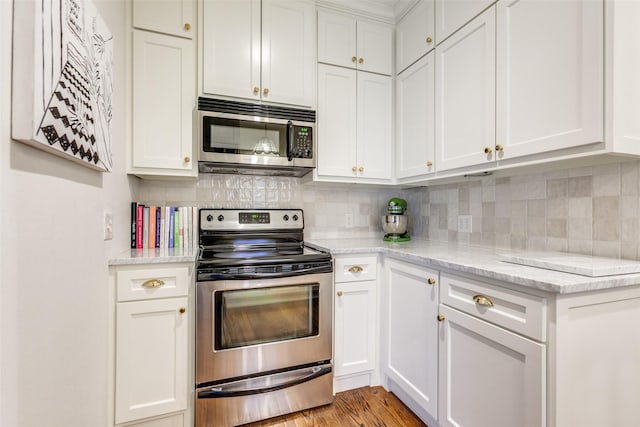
(254, 218)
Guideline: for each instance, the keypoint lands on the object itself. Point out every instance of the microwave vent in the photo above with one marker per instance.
(260, 110)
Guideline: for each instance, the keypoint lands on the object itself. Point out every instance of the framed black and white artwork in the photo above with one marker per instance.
(62, 80)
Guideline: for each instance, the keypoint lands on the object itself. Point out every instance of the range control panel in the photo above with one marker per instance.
(251, 219)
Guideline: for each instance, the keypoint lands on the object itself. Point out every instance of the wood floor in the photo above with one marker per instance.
(362, 407)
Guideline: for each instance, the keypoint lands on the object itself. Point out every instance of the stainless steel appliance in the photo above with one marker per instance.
(263, 317)
(238, 137)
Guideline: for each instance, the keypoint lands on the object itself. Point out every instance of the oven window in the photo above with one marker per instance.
(256, 316)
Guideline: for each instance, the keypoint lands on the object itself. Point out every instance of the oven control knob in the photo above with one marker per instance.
(295, 217)
(220, 218)
(209, 218)
(286, 217)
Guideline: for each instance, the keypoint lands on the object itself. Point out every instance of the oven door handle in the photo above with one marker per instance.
(243, 387)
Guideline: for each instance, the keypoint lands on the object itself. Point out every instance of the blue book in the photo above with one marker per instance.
(171, 225)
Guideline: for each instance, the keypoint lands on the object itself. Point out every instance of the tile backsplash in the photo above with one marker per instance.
(586, 210)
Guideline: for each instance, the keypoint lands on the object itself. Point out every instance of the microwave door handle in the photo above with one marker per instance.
(290, 140)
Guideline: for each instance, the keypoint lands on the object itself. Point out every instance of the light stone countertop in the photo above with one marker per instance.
(154, 256)
(484, 262)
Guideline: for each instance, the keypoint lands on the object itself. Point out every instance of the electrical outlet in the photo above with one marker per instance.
(348, 220)
(108, 226)
(465, 223)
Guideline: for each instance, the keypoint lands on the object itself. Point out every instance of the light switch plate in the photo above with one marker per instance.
(108, 226)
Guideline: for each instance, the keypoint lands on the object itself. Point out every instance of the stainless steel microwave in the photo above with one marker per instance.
(257, 139)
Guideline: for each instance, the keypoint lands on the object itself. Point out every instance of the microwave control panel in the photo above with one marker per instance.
(303, 142)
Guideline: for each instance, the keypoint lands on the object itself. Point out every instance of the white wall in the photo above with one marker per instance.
(53, 263)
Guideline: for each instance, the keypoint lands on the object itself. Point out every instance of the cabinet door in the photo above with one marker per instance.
(375, 47)
(375, 122)
(174, 17)
(337, 39)
(231, 48)
(415, 34)
(465, 95)
(163, 99)
(336, 121)
(489, 377)
(452, 15)
(550, 80)
(415, 119)
(288, 61)
(151, 358)
(355, 314)
(412, 332)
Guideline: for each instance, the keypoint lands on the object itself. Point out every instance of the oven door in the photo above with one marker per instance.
(253, 326)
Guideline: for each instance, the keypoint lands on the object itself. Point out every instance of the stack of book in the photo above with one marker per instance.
(163, 226)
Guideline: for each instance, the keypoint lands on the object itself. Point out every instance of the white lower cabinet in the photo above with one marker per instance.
(411, 343)
(355, 322)
(153, 339)
(489, 377)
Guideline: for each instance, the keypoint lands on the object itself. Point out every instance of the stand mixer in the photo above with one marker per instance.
(395, 223)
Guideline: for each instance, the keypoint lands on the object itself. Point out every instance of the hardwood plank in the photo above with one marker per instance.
(362, 407)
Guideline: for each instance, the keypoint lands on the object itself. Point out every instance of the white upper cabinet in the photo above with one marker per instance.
(163, 75)
(415, 119)
(465, 96)
(622, 70)
(355, 120)
(351, 42)
(415, 34)
(260, 50)
(451, 15)
(550, 75)
(173, 17)
(288, 52)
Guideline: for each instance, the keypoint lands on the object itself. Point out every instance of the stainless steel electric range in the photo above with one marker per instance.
(263, 317)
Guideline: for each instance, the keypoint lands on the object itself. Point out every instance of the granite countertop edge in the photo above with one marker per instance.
(481, 261)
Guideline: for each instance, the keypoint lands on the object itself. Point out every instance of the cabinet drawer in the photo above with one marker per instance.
(152, 282)
(353, 269)
(522, 313)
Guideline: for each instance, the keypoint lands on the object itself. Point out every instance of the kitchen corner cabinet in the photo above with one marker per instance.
(175, 17)
(415, 34)
(465, 96)
(260, 50)
(352, 42)
(355, 330)
(355, 121)
(415, 120)
(153, 339)
(163, 86)
(410, 349)
(550, 87)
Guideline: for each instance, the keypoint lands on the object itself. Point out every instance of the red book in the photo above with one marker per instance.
(139, 227)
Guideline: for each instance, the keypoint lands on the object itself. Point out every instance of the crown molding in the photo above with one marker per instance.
(370, 9)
